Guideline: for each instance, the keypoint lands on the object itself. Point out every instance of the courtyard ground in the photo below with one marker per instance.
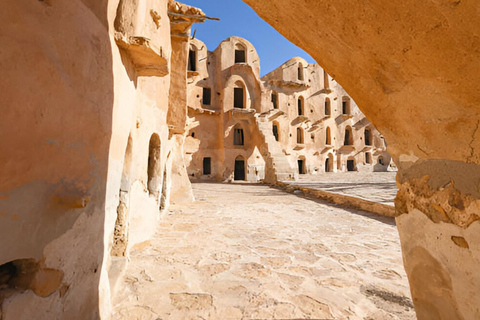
(255, 252)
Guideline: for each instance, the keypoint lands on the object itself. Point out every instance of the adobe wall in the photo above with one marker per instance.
(413, 68)
(213, 125)
(88, 163)
(313, 90)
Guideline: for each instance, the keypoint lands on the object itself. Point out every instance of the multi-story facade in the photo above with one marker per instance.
(294, 120)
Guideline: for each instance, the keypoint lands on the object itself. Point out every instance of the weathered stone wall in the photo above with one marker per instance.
(85, 169)
(413, 68)
(57, 81)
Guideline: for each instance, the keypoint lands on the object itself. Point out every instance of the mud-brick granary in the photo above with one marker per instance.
(94, 119)
(294, 120)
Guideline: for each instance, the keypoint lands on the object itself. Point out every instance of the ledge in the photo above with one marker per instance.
(237, 113)
(203, 110)
(147, 59)
(290, 84)
(299, 146)
(346, 148)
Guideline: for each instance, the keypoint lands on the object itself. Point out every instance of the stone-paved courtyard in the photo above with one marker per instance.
(255, 252)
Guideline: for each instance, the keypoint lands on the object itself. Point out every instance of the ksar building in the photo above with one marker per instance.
(294, 120)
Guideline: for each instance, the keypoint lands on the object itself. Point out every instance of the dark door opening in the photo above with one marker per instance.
(350, 165)
(238, 98)
(207, 96)
(192, 61)
(275, 131)
(301, 166)
(327, 165)
(239, 173)
(207, 165)
(240, 56)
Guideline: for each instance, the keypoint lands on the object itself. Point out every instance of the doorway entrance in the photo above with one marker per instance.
(350, 165)
(301, 166)
(239, 173)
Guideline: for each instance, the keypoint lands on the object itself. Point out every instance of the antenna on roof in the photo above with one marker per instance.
(194, 32)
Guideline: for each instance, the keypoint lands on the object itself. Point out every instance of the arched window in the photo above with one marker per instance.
(346, 105)
(240, 56)
(274, 100)
(300, 105)
(299, 135)
(154, 169)
(275, 129)
(326, 81)
(327, 107)
(328, 137)
(368, 137)
(239, 173)
(300, 72)
(192, 59)
(348, 141)
(239, 95)
(238, 136)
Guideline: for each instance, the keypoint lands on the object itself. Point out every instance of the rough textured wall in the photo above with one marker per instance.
(408, 58)
(413, 67)
(53, 170)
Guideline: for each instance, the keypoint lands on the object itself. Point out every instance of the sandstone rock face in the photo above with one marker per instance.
(413, 68)
(85, 155)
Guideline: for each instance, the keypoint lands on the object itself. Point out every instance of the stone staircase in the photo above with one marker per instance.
(277, 167)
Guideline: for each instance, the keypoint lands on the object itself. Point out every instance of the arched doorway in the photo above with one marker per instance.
(154, 169)
(329, 163)
(348, 141)
(301, 165)
(351, 164)
(239, 173)
(120, 233)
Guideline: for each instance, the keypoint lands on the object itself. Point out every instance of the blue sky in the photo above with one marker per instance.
(238, 19)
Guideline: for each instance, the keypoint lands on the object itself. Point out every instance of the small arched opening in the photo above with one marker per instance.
(381, 161)
(192, 59)
(300, 135)
(238, 136)
(348, 141)
(301, 165)
(240, 53)
(120, 233)
(154, 169)
(274, 100)
(328, 137)
(239, 95)
(346, 106)
(300, 106)
(368, 158)
(368, 136)
(276, 129)
(327, 107)
(300, 75)
(329, 163)
(239, 172)
(326, 81)
(351, 166)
